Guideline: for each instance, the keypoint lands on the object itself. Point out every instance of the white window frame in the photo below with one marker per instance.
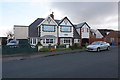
(62, 40)
(45, 41)
(76, 40)
(33, 41)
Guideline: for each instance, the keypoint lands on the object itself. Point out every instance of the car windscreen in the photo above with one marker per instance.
(12, 42)
(96, 43)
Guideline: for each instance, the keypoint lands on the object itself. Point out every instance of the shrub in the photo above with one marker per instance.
(75, 46)
(52, 49)
(44, 50)
(61, 46)
(49, 46)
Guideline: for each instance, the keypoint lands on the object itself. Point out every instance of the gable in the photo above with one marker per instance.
(65, 21)
(48, 21)
(85, 26)
(98, 34)
(80, 25)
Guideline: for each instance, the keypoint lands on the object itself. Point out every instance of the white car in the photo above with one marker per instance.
(98, 46)
(13, 42)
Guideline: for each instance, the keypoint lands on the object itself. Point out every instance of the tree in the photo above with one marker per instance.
(10, 35)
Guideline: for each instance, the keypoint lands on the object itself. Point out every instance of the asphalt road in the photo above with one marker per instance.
(102, 64)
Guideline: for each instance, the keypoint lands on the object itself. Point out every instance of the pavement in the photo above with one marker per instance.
(83, 64)
(35, 55)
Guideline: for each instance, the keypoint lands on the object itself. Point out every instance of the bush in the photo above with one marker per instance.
(75, 46)
(52, 49)
(61, 46)
(44, 50)
(49, 46)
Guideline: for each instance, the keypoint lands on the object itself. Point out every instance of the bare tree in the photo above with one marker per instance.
(10, 35)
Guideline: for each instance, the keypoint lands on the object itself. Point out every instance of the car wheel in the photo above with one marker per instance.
(108, 48)
(98, 49)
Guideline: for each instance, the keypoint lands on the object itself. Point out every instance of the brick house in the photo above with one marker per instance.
(113, 36)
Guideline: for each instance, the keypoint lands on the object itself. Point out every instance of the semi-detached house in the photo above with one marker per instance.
(51, 31)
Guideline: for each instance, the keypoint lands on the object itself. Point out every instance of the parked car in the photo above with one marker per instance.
(13, 42)
(98, 46)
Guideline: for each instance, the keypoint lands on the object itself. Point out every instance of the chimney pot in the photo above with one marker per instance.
(52, 15)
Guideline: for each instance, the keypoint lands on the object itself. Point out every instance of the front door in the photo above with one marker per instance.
(84, 41)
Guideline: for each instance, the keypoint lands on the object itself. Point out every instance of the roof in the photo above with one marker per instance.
(20, 26)
(33, 32)
(57, 21)
(80, 25)
(48, 36)
(104, 31)
(93, 30)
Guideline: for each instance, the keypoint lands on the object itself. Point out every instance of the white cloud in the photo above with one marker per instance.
(4, 30)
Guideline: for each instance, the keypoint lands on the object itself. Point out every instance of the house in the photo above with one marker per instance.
(83, 30)
(99, 34)
(113, 37)
(104, 32)
(65, 31)
(50, 31)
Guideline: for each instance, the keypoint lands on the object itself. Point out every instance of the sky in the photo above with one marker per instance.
(98, 15)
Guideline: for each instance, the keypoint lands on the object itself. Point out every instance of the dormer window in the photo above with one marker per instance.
(65, 28)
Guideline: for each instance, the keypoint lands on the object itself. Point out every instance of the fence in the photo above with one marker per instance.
(18, 49)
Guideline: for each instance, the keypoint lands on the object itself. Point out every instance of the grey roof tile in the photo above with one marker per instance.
(104, 31)
(33, 32)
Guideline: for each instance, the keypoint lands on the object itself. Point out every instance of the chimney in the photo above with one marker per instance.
(52, 15)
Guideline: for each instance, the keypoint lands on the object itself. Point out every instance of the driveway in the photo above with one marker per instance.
(84, 64)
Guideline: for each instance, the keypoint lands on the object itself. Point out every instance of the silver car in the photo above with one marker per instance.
(98, 46)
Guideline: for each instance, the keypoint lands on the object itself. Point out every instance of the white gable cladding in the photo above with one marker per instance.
(48, 22)
(98, 34)
(66, 22)
(84, 32)
(66, 34)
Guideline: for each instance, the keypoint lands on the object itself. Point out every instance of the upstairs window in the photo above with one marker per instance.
(65, 29)
(48, 28)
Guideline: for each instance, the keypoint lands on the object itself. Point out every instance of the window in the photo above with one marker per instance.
(48, 41)
(43, 40)
(34, 41)
(48, 28)
(76, 40)
(65, 28)
(65, 40)
(87, 30)
(30, 41)
(51, 40)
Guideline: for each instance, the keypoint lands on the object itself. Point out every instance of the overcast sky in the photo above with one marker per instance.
(96, 14)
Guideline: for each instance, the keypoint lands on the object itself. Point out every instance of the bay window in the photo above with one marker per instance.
(48, 41)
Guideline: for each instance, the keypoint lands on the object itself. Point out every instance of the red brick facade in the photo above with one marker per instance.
(113, 36)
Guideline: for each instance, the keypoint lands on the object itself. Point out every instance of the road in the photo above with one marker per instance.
(102, 64)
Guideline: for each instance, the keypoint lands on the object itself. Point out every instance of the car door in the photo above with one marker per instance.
(102, 46)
